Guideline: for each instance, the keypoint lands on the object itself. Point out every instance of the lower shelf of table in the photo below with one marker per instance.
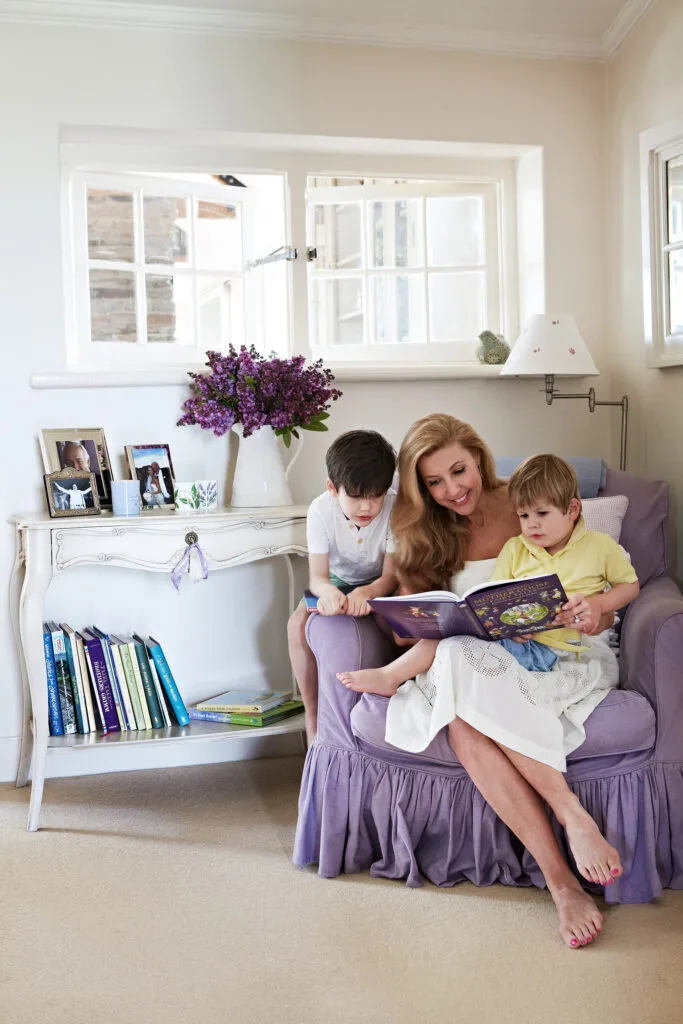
(205, 731)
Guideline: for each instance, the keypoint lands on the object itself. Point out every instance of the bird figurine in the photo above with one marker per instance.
(492, 348)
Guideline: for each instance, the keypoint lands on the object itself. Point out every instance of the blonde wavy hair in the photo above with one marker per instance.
(431, 541)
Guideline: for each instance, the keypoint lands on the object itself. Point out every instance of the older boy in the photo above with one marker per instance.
(349, 546)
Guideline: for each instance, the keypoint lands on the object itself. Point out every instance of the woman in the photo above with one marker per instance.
(451, 518)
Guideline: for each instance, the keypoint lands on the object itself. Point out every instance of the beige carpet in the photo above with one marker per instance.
(169, 896)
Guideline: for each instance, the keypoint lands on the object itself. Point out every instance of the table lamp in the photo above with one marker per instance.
(550, 346)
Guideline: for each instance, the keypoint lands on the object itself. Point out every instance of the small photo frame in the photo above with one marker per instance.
(151, 466)
(72, 492)
(82, 449)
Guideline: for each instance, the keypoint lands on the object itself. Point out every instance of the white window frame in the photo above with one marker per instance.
(425, 350)
(86, 352)
(657, 147)
(516, 170)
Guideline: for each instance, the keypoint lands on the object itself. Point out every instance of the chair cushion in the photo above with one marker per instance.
(605, 515)
(621, 726)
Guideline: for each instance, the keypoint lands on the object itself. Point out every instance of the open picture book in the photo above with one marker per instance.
(496, 610)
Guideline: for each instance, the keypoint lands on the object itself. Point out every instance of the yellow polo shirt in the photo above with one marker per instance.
(585, 565)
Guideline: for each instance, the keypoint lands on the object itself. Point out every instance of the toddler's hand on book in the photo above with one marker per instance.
(357, 602)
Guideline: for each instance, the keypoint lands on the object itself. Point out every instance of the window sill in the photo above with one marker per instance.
(174, 376)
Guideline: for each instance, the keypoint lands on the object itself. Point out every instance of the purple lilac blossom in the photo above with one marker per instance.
(245, 387)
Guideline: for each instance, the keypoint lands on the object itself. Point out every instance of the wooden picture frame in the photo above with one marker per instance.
(156, 486)
(71, 492)
(82, 449)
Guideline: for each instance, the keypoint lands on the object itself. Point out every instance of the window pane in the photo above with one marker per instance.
(674, 171)
(221, 317)
(455, 231)
(169, 309)
(110, 225)
(337, 235)
(395, 234)
(166, 230)
(676, 292)
(457, 306)
(218, 234)
(338, 311)
(112, 305)
(397, 308)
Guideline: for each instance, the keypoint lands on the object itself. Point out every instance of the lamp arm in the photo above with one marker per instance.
(551, 394)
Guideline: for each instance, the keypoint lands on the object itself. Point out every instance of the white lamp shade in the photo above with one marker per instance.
(550, 344)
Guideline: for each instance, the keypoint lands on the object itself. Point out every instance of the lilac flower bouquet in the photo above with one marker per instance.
(246, 387)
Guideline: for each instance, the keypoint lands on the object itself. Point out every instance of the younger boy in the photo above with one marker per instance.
(349, 546)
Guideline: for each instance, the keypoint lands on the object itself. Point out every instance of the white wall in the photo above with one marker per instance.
(70, 76)
(644, 89)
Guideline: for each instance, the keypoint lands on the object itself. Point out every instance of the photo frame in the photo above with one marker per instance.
(71, 492)
(151, 466)
(82, 449)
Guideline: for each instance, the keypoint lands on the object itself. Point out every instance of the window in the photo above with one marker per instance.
(167, 266)
(662, 180)
(402, 270)
(174, 245)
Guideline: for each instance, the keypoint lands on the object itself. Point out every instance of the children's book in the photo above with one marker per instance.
(64, 686)
(54, 707)
(168, 683)
(99, 673)
(76, 680)
(276, 714)
(311, 601)
(245, 702)
(495, 610)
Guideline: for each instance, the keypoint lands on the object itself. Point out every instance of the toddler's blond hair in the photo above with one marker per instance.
(544, 478)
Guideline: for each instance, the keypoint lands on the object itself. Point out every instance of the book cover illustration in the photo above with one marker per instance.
(492, 611)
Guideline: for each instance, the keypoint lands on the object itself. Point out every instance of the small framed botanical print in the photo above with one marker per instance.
(151, 466)
(72, 492)
(83, 449)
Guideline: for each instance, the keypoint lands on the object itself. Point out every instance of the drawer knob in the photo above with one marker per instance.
(191, 537)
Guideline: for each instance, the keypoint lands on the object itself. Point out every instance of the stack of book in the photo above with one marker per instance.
(98, 682)
(247, 707)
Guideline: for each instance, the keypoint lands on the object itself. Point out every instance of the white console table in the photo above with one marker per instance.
(154, 541)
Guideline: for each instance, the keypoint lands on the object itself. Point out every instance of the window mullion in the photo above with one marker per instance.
(139, 265)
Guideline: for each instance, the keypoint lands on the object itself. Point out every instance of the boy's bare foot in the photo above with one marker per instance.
(595, 858)
(369, 680)
(580, 919)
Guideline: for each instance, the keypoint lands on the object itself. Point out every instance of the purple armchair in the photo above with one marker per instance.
(366, 805)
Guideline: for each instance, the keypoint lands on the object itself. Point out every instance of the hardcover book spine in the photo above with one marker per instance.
(169, 684)
(122, 685)
(95, 690)
(79, 704)
(54, 709)
(135, 669)
(85, 677)
(113, 681)
(163, 706)
(66, 699)
(148, 683)
(129, 675)
(103, 686)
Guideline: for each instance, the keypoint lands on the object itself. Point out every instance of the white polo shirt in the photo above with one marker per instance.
(356, 553)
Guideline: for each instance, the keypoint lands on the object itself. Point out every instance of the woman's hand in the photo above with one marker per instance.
(332, 602)
(583, 613)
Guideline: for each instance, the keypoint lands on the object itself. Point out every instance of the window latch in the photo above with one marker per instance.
(285, 252)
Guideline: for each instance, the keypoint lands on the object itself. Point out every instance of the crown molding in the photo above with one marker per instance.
(126, 14)
(626, 19)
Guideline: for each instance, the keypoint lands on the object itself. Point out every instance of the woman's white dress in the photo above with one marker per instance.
(540, 714)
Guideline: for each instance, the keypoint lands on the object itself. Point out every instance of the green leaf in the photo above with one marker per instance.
(287, 438)
(296, 435)
(314, 426)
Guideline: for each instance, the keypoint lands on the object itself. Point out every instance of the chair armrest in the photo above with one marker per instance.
(651, 656)
(342, 643)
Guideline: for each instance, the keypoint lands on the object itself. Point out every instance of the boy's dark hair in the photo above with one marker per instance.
(362, 462)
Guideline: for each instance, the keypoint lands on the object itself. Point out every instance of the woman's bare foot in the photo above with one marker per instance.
(595, 858)
(580, 919)
(369, 680)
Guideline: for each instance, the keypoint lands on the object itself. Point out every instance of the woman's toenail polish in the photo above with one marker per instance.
(615, 871)
(574, 942)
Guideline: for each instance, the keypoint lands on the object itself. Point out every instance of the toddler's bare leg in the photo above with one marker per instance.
(519, 806)
(305, 667)
(387, 679)
(595, 858)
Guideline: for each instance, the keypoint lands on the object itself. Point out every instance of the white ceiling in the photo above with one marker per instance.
(583, 29)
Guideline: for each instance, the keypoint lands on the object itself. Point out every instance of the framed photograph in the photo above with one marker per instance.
(82, 449)
(72, 492)
(151, 466)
